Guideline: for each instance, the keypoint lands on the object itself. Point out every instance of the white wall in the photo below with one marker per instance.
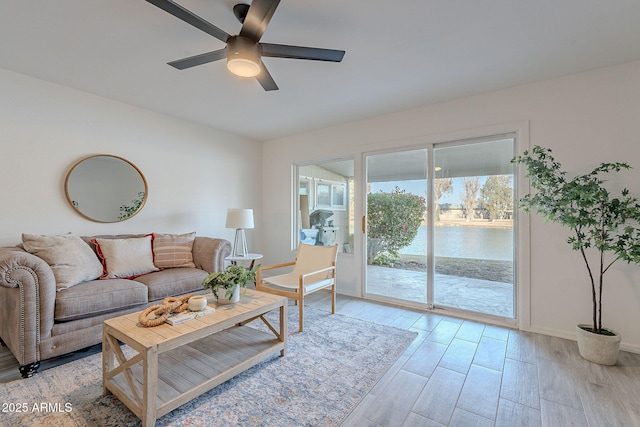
(194, 172)
(586, 119)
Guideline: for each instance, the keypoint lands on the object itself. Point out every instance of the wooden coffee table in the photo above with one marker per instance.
(175, 364)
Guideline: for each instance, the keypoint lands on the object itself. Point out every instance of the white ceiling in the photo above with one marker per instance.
(399, 54)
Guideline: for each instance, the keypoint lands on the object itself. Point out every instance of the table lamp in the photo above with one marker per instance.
(240, 219)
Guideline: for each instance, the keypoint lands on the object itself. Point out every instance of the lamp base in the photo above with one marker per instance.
(240, 244)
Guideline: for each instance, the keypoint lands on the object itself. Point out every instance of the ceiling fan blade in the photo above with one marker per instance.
(258, 18)
(301, 52)
(265, 79)
(190, 18)
(203, 58)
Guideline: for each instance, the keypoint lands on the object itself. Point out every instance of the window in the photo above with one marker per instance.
(304, 186)
(338, 196)
(331, 195)
(323, 195)
(325, 204)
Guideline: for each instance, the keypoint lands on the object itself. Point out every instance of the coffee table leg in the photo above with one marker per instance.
(150, 387)
(108, 359)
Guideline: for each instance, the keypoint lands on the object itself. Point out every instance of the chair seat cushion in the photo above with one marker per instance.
(172, 282)
(290, 281)
(97, 297)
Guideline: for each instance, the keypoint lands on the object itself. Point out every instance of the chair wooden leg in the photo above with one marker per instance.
(333, 299)
(301, 304)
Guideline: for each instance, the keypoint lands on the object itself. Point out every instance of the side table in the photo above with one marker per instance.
(250, 257)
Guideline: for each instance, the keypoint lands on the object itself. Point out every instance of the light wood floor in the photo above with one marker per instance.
(464, 373)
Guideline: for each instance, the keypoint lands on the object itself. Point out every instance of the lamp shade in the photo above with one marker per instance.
(239, 218)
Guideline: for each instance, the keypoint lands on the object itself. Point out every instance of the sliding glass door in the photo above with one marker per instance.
(448, 241)
(473, 227)
(396, 231)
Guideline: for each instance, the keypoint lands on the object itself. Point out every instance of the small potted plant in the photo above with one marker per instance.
(231, 279)
(602, 222)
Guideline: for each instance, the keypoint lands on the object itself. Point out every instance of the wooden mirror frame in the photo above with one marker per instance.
(106, 183)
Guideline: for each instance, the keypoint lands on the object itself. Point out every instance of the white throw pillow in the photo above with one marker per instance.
(125, 258)
(71, 258)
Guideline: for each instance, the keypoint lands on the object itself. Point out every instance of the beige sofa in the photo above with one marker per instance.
(40, 320)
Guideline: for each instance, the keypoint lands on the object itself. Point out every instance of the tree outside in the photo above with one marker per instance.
(469, 198)
(441, 186)
(496, 196)
(393, 220)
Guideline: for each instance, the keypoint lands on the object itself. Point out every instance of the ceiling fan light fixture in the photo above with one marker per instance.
(243, 65)
(243, 57)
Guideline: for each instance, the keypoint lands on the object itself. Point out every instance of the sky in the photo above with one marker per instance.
(418, 187)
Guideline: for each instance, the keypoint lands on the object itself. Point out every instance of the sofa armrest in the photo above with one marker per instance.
(27, 299)
(209, 253)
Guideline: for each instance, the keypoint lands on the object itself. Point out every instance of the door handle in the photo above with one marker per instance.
(364, 224)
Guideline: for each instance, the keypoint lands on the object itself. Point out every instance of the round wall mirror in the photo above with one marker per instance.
(106, 188)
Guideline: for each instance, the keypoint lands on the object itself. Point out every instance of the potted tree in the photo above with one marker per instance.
(604, 226)
(229, 280)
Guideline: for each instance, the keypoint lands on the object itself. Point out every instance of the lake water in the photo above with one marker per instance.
(465, 242)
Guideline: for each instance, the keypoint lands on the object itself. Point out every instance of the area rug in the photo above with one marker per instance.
(327, 371)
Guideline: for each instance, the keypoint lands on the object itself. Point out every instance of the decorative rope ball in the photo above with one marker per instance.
(162, 311)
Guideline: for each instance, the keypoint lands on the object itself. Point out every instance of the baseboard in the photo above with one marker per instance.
(553, 332)
(349, 294)
(632, 348)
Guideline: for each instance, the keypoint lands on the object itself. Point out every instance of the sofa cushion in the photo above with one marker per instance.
(90, 239)
(173, 250)
(125, 258)
(172, 282)
(97, 297)
(70, 258)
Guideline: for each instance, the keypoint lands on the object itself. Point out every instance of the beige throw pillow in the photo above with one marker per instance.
(70, 257)
(173, 250)
(125, 258)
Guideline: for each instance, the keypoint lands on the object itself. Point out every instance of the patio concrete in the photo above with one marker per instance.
(482, 296)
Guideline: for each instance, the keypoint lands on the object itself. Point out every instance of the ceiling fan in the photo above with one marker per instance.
(244, 51)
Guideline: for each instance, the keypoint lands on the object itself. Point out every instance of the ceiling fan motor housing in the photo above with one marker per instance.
(243, 56)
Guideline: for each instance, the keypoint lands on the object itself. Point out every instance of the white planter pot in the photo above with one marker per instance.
(596, 348)
(222, 299)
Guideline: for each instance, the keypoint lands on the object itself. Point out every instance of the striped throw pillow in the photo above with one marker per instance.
(173, 250)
